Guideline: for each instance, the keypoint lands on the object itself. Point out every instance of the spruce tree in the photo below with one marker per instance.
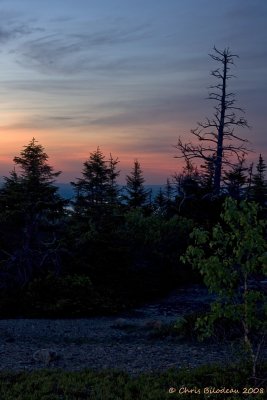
(137, 195)
(168, 191)
(207, 176)
(160, 204)
(236, 179)
(113, 190)
(160, 200)
(187, 182)
(91, 188)
(31, 209)
(31, 191)
(98, 187)
(259, 185)
(168, 194)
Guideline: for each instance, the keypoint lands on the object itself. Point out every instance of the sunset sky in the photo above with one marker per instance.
(129, 76)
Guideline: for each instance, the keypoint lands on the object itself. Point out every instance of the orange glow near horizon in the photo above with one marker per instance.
(68, 152)
(68, 148)
(121, 78)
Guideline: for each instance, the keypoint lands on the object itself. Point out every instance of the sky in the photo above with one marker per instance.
(129, 76)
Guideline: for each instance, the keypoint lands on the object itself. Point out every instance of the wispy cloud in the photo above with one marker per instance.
(78, 51)
(13, 26)
(8, 33)
(160, 108)
(246, 10)
(51, 86)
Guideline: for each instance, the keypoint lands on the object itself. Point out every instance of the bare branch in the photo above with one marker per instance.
(218, 132)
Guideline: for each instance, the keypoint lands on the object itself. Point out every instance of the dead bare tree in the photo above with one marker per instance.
(217, 134)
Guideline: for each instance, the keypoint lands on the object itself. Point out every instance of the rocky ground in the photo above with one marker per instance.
(128, 342)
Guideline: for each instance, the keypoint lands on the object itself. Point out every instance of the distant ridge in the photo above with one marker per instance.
(66, 190)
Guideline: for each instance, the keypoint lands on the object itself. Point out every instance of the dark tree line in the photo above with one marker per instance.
(40, 234)
(107, 249)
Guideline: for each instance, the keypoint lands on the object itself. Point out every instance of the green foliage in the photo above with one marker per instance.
(188, 327)
(181, 329)
(116, 385)
(231, 257)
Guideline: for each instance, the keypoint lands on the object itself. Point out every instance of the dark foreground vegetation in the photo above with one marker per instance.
(201, 383)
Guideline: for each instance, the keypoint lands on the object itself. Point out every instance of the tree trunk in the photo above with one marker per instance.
(219, 152)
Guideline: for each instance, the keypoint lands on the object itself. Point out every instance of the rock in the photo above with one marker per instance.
(120, 323)
(45, 356)
(10, 339)
(153, 324)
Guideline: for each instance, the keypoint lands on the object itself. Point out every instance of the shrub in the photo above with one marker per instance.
(116, 385)
(71, 295)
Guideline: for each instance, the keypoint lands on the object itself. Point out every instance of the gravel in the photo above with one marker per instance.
(124, 343)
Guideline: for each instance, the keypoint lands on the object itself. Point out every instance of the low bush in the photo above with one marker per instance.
(115, 385)
(57, 297)
(184, 328)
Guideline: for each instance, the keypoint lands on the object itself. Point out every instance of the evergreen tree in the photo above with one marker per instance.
(160, 202)
(168, 197)
(187, 182)
(98, 186)
(113, 187)
(236, 179)
(168, 191)
(136, 195)
(207, 176)
(31, 209)
(91, 189)
(32, 193)
(259, 185)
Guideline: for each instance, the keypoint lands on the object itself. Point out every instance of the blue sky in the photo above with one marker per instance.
(128, 76)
